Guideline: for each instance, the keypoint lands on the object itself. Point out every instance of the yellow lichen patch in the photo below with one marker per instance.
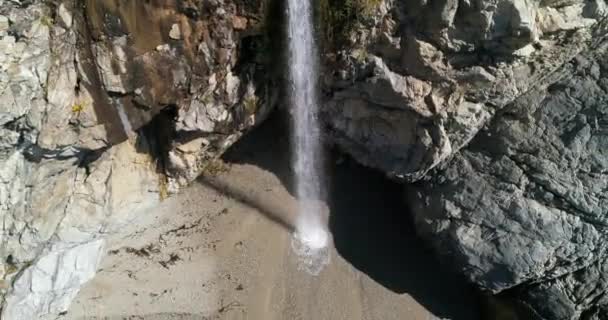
(215, 167)
(77, 107)
(251, 104)
(163, 189)
(361, 55)
(10, 269)
(46, 21)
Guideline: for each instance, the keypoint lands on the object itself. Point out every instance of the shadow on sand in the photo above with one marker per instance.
(275, 213)
(370, 225)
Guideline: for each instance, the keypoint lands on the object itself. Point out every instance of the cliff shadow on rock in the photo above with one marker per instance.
(372, 230)
(370, 224)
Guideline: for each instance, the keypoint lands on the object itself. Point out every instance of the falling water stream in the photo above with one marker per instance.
(311, 238)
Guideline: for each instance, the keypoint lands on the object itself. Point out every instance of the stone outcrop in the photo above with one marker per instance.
(522, 210)
(106, 107)
(416, 81)
(496, 111)
(184, 70)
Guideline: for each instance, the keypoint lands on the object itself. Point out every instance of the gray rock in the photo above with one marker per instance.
(523, 208)
(419, 80)
(50, 283)
(3, 24)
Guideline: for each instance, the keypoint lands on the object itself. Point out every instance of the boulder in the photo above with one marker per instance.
(522, 210)
(417, 80)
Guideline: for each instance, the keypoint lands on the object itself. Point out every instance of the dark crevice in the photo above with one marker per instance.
(157, 136)
(507, 306)
(118, 95)
(35, 153)
(89, 157)
(137, 103)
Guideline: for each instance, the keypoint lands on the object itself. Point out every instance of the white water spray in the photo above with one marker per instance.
(311, 238)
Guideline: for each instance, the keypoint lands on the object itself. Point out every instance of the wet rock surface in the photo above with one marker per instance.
(182, 66)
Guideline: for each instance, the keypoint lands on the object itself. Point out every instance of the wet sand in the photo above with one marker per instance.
(222, 250)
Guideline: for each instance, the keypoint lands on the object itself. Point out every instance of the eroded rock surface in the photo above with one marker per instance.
(186, 70)
(523, 209)
(416, 80)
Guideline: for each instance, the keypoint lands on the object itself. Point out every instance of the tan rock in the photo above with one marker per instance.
(175, 32)
(239, 23)
(3, 24)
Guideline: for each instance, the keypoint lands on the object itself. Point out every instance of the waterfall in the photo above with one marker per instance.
(311, 236)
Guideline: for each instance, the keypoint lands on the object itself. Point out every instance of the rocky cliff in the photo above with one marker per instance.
(414, 81)
(107, 107)
(497, 110)
(492, 112)
(521, 211)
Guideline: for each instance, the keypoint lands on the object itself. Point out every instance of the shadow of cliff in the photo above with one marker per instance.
(266, 147)
(275, 213)
(370, 225)
(373, 231)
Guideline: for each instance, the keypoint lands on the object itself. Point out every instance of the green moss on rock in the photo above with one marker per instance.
(339, 18)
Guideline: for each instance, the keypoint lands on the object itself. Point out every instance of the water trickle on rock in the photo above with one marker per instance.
(311, 238)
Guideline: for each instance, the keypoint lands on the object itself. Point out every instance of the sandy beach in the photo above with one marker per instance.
(221, 249)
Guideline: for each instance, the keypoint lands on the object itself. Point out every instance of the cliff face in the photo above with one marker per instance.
(495, 109)
(498, 110)
(414, 81)
(106, 107)
(522, 209)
